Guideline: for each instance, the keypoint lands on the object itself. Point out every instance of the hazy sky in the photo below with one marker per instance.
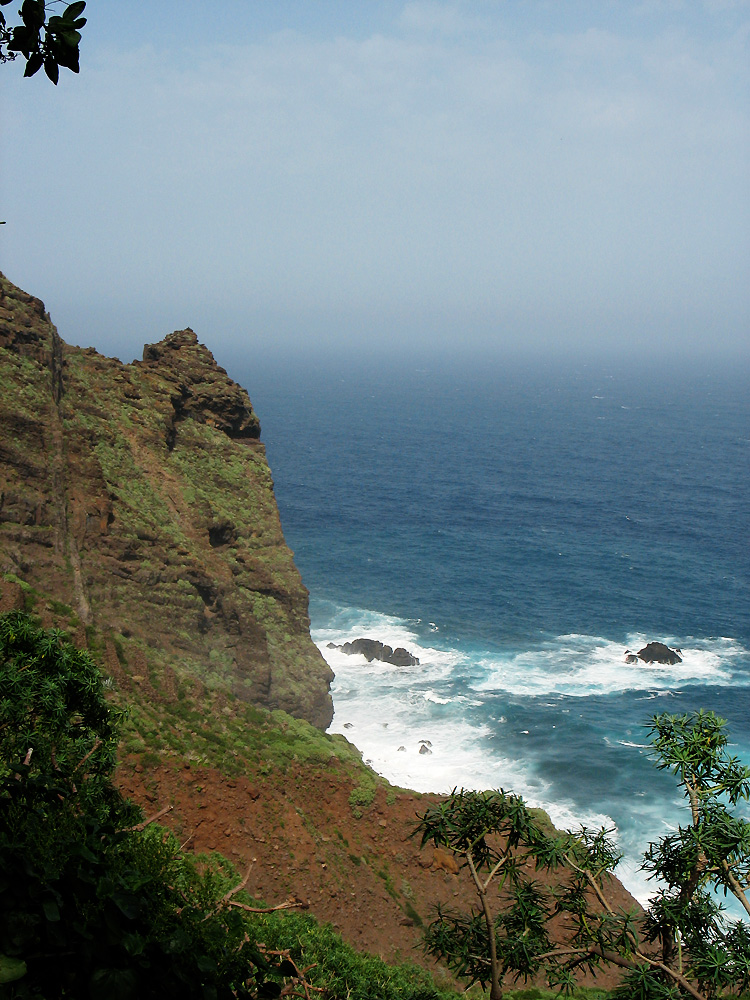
(471, 174)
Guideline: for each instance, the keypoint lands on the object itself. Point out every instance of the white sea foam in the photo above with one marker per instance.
(390, 712)
(459, 756)
(581, 665)
(431, 696)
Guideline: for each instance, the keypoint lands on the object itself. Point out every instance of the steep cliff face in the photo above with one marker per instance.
(140, 496)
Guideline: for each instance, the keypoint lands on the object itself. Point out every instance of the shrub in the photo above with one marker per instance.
(682, 947)
(91, 903)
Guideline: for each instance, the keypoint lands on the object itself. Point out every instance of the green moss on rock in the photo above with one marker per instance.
(140, 497)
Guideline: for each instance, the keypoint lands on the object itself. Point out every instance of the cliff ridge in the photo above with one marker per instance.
(139, 497)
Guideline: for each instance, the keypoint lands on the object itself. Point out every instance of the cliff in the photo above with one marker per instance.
(137, 513)
(139, 497)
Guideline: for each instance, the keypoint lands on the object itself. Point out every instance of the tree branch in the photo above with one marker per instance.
(592, 882)
(240, 885)
(495, 989)
(613, 957)
(82, 761)
(298, 980)
(151, 819)
(290, 904)
(694, 801)
(735, 886)
(495, 870)
(626, 963)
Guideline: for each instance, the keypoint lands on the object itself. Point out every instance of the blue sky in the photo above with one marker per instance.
(474, 176)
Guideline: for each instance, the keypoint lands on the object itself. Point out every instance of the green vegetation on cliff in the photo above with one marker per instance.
(94, 898)
(140, 496)
(96, 902)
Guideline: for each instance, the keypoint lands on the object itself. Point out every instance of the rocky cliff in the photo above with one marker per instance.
(139, 497)
(137, 512)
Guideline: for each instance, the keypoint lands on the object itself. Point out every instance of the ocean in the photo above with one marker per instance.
(518, 526)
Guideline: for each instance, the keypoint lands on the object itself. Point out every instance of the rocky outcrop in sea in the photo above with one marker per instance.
(373, 649)
(654, 652)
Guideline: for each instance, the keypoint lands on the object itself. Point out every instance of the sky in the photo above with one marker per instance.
(295, 175)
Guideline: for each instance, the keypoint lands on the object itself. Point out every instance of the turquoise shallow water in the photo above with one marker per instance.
(519, 527)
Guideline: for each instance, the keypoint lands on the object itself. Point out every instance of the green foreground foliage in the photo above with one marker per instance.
(44, 40)
(683, 946)
(97, 903)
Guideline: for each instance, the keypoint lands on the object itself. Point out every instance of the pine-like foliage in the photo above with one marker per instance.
(682, 947)
(92, 905)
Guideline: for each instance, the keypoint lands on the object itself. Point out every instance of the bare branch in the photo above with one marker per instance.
(736, 886)
(82, 761)
(290, 904)
(495, 870)
(298, 981)
(592, 882)
(495, 990)
(151, 819)
(240, 885)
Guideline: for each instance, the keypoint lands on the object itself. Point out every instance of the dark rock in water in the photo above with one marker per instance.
(657, 652)
(401, 657)
(424, 749)
(631, 658)
(372, 649)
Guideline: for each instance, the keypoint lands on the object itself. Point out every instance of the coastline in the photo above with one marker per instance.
(433, 727)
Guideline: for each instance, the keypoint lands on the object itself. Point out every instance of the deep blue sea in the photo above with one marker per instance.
(519, 526)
